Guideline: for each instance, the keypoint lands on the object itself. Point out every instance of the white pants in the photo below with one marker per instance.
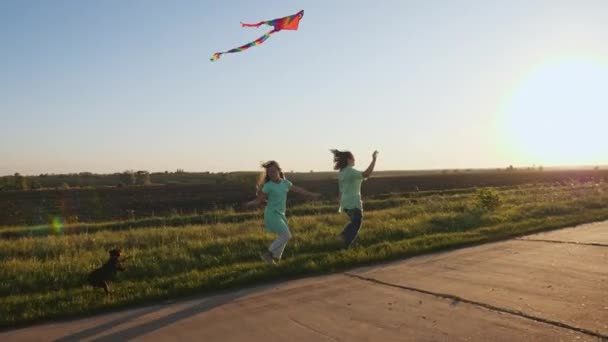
(278, 246)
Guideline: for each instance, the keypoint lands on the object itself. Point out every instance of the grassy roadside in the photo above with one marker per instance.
(230, 215)
(41, 276)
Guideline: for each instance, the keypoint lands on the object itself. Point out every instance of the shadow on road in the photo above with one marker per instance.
(98, 329)
(147, 327)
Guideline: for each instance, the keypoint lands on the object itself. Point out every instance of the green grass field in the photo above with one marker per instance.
(42, 272)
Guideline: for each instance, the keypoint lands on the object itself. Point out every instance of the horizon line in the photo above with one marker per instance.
(545, 167)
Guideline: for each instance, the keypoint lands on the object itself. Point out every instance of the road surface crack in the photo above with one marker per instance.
(307, 327)
(596, 244)
(518, 313)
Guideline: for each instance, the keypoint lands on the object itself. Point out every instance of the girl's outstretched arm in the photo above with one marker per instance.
(259, 200)
(370, 168)
(304, 192)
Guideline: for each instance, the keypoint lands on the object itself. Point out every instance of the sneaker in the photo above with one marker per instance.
(267, 257)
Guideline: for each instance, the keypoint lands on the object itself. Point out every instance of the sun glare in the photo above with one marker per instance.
(558, 115)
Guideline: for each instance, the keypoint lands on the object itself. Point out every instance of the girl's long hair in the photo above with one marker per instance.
(341, 159)
(264, 177)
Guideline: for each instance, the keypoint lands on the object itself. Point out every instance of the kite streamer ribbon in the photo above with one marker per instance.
(286, 23)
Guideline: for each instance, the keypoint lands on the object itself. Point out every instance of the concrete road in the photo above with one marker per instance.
(544, 287)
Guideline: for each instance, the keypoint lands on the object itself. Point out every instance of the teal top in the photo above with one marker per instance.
(276, 203)
(276, 194)
(349, 181)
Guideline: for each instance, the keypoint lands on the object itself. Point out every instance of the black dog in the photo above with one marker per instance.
(101, 276)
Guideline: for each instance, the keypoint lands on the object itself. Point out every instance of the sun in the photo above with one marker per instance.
(558, 115)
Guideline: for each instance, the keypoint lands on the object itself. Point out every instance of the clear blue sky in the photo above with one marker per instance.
(107, 86)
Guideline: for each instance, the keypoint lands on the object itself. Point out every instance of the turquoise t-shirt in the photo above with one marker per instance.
(276, 204)
(276, 194)
(349, 181)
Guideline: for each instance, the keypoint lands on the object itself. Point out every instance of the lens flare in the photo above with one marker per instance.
(57, 225)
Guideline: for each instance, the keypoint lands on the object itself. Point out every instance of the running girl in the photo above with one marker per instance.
(349, 181)
(272, 190)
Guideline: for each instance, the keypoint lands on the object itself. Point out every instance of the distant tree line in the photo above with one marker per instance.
(130, 178)
(126, 178)
(79, 180)
(17, 182)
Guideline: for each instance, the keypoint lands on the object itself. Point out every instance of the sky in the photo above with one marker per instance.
(108, 86)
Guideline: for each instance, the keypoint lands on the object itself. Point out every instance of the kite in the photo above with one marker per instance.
(286, 23)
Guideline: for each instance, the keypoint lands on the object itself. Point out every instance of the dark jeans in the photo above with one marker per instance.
(349, 234)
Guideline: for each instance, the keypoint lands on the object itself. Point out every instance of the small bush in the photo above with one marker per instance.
(488, 199)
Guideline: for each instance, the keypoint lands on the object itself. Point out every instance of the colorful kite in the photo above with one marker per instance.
(286, 23)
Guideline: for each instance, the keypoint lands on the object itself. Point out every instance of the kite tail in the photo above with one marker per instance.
(258, 41)
(253, 25)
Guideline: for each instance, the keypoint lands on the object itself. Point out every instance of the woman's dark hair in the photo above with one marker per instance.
(264, 178)
(341, 159)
